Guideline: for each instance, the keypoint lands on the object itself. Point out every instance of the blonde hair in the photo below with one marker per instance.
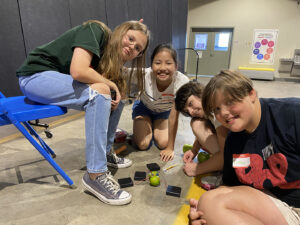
(111, 63)
(230, 83)
(106, 30)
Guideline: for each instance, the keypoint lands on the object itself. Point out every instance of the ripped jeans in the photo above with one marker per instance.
(54, 88)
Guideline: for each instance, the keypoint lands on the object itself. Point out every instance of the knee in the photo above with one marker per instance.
(101, 88)
(206, 199)
(213, 199)
(161, 143)
(143, 144)
(160, 134)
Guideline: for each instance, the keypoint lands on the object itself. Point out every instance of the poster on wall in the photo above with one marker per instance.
(263, 46)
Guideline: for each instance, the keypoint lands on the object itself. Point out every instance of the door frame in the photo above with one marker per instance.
(211, 29)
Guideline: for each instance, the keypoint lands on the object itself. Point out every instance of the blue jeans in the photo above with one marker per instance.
(54, 88)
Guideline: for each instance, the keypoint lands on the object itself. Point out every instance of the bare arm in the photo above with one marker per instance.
(196, 146)
(190, 154)
(81, 71)
(173, 126)
(203, 132)
(217, 160)
(168, 153)
(215, 163)
(221, 136)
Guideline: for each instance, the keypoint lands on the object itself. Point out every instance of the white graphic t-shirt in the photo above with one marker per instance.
(158, 101)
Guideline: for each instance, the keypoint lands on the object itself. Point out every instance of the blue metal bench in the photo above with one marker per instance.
(18, 111)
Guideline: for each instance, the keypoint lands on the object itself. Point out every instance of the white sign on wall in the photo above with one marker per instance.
(263, 46)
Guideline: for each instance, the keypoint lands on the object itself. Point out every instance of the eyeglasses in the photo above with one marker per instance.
(131, 40)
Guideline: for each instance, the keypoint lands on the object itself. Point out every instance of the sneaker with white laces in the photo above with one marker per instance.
(106, 189)
(114, 161)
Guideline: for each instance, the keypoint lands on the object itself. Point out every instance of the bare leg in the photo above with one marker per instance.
(142, 131)
(161, 133)
(239, 205)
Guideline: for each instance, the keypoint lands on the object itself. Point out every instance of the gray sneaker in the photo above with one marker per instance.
(106, 189)
(114, 161)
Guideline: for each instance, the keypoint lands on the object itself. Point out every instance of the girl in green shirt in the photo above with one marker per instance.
(79, 70)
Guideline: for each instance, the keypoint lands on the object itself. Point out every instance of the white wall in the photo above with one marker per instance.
(245, 16)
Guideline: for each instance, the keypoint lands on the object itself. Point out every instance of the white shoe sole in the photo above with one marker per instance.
(104, 199)
(119, 166)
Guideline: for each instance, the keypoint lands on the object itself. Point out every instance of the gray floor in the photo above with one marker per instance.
(32, 193)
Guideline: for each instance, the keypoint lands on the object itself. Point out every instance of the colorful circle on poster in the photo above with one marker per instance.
(260, 56)
(257, 44)
(271, 43)
(255, 51)
(269, 50)
(264, 41)
(266, 56)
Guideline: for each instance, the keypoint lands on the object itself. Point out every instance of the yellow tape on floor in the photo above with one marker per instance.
(54, 123)
(195, 192)
(258, 69)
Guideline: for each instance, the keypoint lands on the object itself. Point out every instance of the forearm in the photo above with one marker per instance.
(196, 147)
(81, 71)
(90, 76)
(221, 136)
(204, 134)
(172, 128)
(215, 163)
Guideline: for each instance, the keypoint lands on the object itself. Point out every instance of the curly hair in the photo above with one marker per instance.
(184, 92)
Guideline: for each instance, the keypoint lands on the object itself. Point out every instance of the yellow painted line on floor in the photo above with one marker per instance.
(54, 123)
(195, 192)
(258, 69)
(67, 118)
(10, 137)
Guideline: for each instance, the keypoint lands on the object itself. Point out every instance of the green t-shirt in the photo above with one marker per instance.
(57, 54)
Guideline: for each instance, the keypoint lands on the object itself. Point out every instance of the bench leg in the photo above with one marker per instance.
(43, 151)
(45, 146)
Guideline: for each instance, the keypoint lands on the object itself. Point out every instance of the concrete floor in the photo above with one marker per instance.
(31, 191)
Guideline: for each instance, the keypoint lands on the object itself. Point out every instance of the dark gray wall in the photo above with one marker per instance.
(83, 10)
(26, 24)
(12, 49)
(179, 21)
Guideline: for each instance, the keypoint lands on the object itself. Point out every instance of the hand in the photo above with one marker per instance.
(188, 156)
(141, 20)
(190, 169)
(166, 155)
(115, 103)
(195, 215)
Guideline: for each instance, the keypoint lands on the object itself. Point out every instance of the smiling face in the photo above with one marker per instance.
(133, 44)
(193, 107)
(237, 115)
(163, 67)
